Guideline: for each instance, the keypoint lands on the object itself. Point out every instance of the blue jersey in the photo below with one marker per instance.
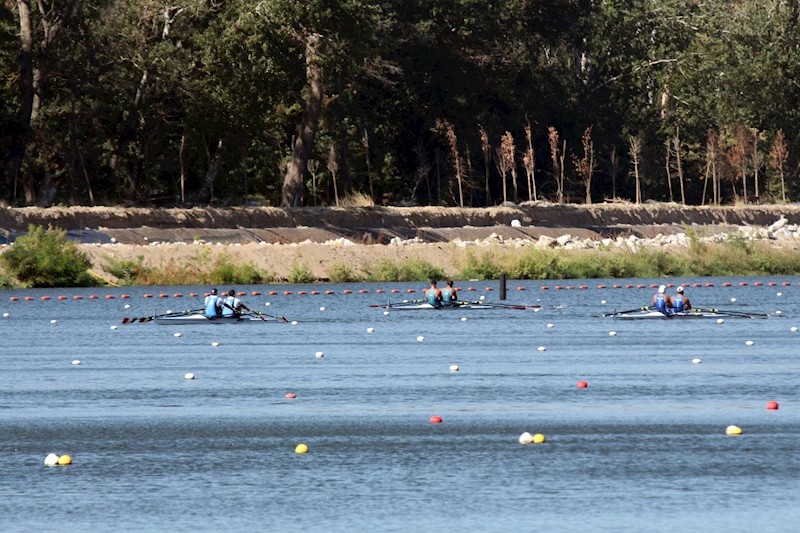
(432, 299)
(661, 304)
(212, 305)
(677, 303)
(233, 302)
(447, 296)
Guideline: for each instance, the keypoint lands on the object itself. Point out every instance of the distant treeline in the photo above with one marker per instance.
(441, 102)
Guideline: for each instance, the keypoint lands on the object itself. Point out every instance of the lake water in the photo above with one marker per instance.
(643, 448)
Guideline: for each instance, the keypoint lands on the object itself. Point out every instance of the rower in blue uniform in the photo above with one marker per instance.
(681, 302)
(449, 295)
(434, 295)
(662, 302)
(213, 304)
(233, 306)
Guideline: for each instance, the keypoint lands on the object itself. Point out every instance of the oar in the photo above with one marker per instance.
(643, 308)
(398, 304)
(732, 313)
(149, 318)
(259, 315)
(501, 306)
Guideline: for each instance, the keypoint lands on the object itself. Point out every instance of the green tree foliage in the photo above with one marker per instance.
(212, 102)
(45, 258)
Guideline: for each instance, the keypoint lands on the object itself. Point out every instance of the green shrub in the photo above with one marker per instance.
(341, 273)
(484, 267)
(129, 272)
(301, 274)
(409, 270)
(45, 258)
(225, 271)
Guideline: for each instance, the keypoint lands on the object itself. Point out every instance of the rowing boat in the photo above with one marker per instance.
(202, 319)
(421, 306)
(647, 314)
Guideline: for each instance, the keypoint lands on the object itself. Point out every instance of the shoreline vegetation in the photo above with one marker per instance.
(45, 258)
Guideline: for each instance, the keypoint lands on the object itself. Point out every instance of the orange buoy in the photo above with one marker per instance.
(77, 297)
(616, 286)
(191, 295)
(395, 290)
(654, 285)
(787, 283)
(128, 295)
(686, 284)
(772, 406)
(558, 287)
(570, 287)
(45, 297)
(544, 288)
(273, 293)
(362, 291)
(14, 299)
(347, 291)
(601, 286)
(241, 293)
(772, 284)
(471, 289)
(628, 286)
(29, 298)
(302, 292)
(146, 296)
(489, 288)
(670, 285)
(726, 284)
(583, 287)
(641, 286)
(287, 293)
(329, 292)
(94, 296)
(520, 288)
(290, 395)
(410, 290)
(379, 291)
(62, 297)
(177, 295)
(255, 293)
(163, 295)
(436, 419)
(582, 385)
(709, 284)
(314, 292)
(755, 283)
(109, 296)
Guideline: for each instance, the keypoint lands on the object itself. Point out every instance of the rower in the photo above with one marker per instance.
(662, 302)
(233, 305)
(449, 295)
(213, 304)
(681, 302)
(434, 295)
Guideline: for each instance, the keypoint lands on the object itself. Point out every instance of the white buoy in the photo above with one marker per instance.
(780, 294)
(602, 301)
(537, 309)
(76, 362)
(463, 319)
(550, 326)
(189, 375)
(482, 298)
(169, 311)
(733, 299)
(405, 301)
(267, 304)
(214, 344)
(696, 361)
(749, 343)
(294, 322)
(5, 315)
(420, 338)
(53, 321)
(778, 312)
(541, 348)
(51, 460)
(176, 334)
(526, 438)
(370, 330)
(793, 329)
(453, 368)
(127, 306)
(321, 308)
(612, 333)
(113, 240)
(319, 355)
(720, 321)
(113, 327)
(386, 313)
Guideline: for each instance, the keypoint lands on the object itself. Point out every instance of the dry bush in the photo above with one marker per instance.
(357, 199)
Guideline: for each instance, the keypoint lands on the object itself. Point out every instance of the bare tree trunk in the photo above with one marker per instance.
(705, 183)
(309, 123)
(26, 97)
(561, 169)
(614, 160)
(214, 165)
(669, 174)
(680, 166)
(181, 153)
(365, 142)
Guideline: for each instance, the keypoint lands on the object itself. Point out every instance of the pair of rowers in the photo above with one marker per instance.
(441, 297)
(669, 305)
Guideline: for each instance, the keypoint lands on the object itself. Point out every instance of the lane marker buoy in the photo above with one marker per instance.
(319, 355)
(189, 375)
(602, 301)
(215, 344)
(51, 460)
(793, 329)
(113, 327)
(525, 438)
(294, 322)
(612, 333)
(538, 438)
(550, 326)
(733, 430)
(386, 313)
(64, 460)
(420, 338)
(301, 448)
(772, 406)
(541, 348)
(267, 304)
(733, 299)
(720, 321)
(176, 334)
(321, 308)
(749, 343)
(583, 385)
(436, 419)
(290, 395)
(463, 319)
(453, 368)
(53, 321)
(696, 361)
(5, 315)
(76, 362)
(370, 330)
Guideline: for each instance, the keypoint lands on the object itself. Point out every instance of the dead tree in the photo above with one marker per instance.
(444, 126)
(585, 166)
(313, 167)
(333, 168)
(778, 157)
(557, 156)
(487, 157)
(740, 157)
(676, 141)
(529, 162)
(635, 152)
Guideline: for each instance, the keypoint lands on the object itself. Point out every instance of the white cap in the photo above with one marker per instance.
(680, 289)
(662, 289)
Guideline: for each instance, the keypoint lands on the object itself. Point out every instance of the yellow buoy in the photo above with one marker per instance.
(733, 430)
(301, 448)
(65, 460)
(538, 438)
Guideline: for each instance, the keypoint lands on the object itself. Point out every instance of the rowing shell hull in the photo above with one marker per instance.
(657, 315)
(184, 320)
(420, 307)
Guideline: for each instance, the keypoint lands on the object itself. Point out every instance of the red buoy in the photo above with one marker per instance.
(290, 395)
(772, 406)
(582, 385)
(436, 419)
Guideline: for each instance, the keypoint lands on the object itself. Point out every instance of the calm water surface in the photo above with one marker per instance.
(642, 449)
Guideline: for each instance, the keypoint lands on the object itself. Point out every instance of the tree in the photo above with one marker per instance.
(585, 166)
(778, 157)
(529, 162)
(635, 151)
